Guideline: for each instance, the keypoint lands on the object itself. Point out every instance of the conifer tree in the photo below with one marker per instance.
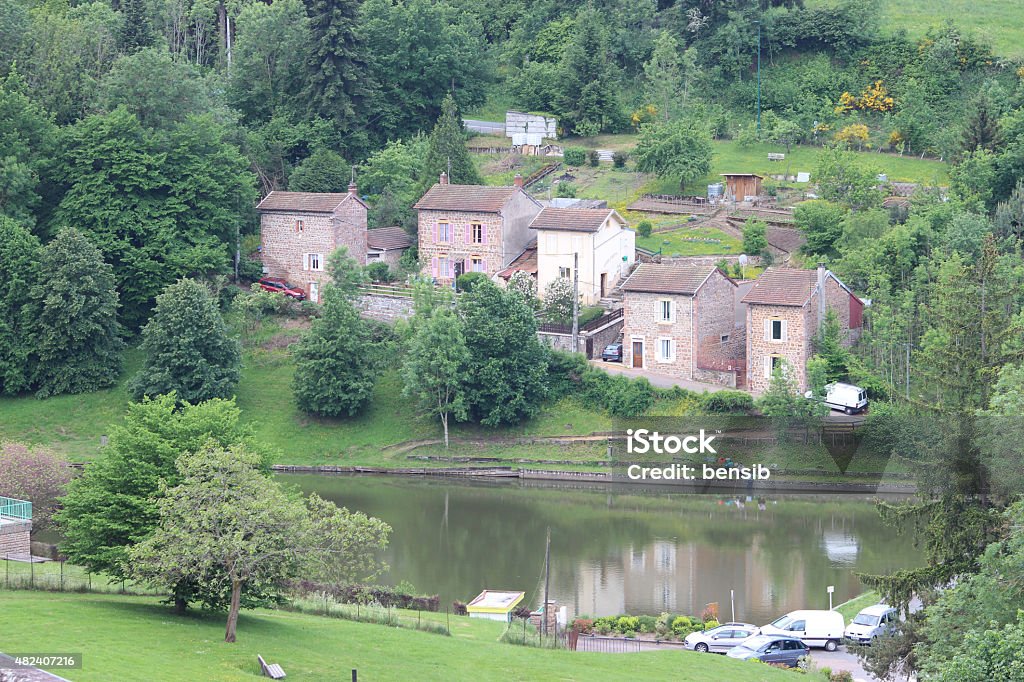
(447, 152)
(136, 31)
(19, 254)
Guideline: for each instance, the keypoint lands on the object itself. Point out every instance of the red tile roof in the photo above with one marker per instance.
(658, 278)
(303, 202)
(479, 198)
(572, 219)
(526, 261)
(783, 286)
(388, 238)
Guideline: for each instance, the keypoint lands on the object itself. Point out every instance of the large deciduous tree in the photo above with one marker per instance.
(447, 152)
(36, 475)
(19, 261)
(680, 150)
(77, 339)
(188, 348)
(113, 505)
(28, 139)
(322, 171)
(228, 522)
(508, 366)
(435, 366)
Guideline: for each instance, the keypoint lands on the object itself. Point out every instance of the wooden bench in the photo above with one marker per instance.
(271, 670)
(773, 156)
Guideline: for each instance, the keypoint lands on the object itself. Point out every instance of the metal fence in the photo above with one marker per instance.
(11, 508)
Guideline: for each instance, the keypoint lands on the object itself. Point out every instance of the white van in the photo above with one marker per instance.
(813, 628)
(846, 397)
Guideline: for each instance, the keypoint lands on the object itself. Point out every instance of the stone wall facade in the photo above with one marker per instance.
(643, 325)
(15, 538)
(288, 239)
(461, 247)
(794, 348)
(384, 308)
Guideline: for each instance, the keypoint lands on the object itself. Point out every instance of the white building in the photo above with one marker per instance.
(603, 242)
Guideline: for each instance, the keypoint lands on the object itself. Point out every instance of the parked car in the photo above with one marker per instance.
(771, 649)
(846, 397)
(813, 628)
(612, 353)
(279, 286)
(874, 621)
(720, 639)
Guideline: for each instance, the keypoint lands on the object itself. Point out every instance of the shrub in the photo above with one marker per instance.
(644, 228)
(710, 613)
(466, 282)
(841, 676)
(565, 373)
(619, 159)
(380, 271)
(629, 634)
(647, 623)
(663, 624)
(250, 269)
(602, 627)
(593, 158)
(584, 625)
(626, 624)
(566, 190)
(574, 156)
(709, 624)
(619, 395)
(727, 402)
(683, 625)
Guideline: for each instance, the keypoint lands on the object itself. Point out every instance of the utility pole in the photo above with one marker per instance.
(758, 77)
(908, 371)
(547, 574)
(575, 303)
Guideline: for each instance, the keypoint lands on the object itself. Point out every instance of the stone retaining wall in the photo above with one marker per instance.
(15, 538)
(384, 308)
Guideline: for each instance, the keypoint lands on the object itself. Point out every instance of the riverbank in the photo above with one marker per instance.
(308, 647)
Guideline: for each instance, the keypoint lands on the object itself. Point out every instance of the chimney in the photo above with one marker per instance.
(821, 294)
(518, 181)
(444, 178)
(352, 189)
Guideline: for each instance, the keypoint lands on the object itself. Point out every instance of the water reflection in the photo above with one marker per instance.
(623, 550)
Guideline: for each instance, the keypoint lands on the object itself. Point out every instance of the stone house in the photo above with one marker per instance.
(299, 230)
(599, 240)
(387, 244)
(679, 320)
(473, 228)
(785, 310)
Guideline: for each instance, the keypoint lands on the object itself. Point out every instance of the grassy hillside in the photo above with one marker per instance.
(997, 21)
(132, 638)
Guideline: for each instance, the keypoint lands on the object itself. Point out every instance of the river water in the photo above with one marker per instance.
(622, 549)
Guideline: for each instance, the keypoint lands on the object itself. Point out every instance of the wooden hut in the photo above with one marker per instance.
(739, 186)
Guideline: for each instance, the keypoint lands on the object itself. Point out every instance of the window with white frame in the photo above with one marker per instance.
(444, 267)
(773, 363)
(565, 272)
(476, 232)
(775, 329)
(476, 264)
(552, 243)
(666, 349)
(314, 261)
(666, 310)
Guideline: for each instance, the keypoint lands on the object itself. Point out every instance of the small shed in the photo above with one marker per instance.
(739, 186)
(495, 605)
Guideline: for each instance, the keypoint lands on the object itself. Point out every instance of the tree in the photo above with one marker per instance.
(322, 171)
(973, 177)
(77, 340)
(508, 365)
(755, 240)
(829, 349)
(587, 101)
(188, 348)
(676, 149)
(335, 364)
(435, 366)
(663, 74)
(113, 504)
(227, 523)
(558, 296)
(346, 274)
(19, 258)
(36, 475)
(981, 129)
(525, 285)
(447, 152)
(822, 224)
(644, 228)
(28, 139)
(990, 654)
(337, 77)
(136, 32)
(843, 179)
(784, 405)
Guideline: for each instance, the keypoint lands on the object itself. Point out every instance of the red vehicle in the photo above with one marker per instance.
(279, 286)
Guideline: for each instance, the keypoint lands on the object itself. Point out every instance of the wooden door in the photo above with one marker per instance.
(638, 354)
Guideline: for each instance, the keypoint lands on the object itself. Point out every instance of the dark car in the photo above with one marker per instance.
(771, 649)
(279, 286)
(612, 353)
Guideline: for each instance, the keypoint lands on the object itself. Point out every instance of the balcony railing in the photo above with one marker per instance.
(12, 509)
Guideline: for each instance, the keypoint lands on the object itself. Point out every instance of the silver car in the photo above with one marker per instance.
(874, 621)
(771, 649)
(720, 639)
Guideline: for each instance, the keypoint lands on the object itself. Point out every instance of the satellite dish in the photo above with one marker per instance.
(743, 259)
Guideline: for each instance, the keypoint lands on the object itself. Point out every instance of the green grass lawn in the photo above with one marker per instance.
(995, 21)
(135, 638)
(678, 242)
